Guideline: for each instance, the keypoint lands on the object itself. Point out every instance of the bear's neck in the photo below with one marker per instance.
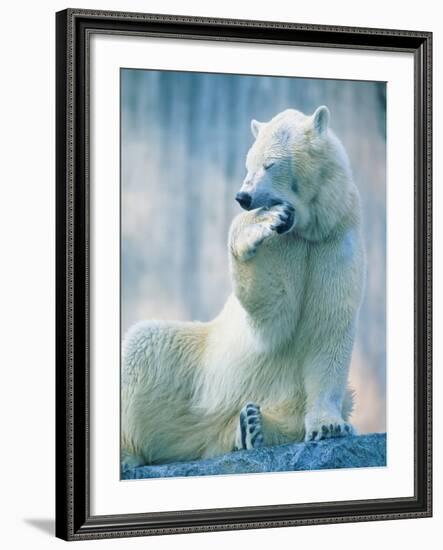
(332, 214)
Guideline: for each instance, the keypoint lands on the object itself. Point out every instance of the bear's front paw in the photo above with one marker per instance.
(249, 430)
(324, 428)
(284, 218)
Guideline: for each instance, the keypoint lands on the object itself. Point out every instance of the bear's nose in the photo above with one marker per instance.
(244, 200)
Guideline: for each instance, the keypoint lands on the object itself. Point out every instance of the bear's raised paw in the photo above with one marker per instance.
(285, 218)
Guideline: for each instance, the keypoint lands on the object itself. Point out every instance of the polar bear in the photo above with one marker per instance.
(273, 366)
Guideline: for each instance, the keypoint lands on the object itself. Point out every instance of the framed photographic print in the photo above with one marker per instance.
(243, 274)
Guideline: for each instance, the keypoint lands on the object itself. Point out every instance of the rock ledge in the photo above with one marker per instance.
(341, 452)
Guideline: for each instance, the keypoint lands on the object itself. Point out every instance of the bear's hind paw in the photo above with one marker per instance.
(249, 430)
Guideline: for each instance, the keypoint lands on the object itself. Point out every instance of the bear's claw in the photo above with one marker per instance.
(335, 429)
(249, 431)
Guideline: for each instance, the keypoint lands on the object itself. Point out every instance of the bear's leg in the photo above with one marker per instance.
(327, 400)
(249, 430)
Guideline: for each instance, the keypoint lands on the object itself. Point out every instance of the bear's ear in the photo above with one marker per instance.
(321, 119)
(255, 127)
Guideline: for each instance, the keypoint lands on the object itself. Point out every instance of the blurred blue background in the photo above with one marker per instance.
(184, 138)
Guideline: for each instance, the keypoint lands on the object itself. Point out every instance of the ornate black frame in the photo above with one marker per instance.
(74, 28)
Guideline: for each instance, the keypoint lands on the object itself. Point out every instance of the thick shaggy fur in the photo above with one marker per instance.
(284, 338)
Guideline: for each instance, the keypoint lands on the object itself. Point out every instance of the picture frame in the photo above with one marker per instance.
(75, 519)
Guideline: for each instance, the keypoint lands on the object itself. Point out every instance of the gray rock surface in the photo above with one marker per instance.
(341, 452)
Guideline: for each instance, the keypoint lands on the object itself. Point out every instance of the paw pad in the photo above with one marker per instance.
(249, 431)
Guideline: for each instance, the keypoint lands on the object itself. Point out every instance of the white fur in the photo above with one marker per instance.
(284, 338)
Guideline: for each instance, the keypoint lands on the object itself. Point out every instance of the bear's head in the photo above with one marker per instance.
(296, 159)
